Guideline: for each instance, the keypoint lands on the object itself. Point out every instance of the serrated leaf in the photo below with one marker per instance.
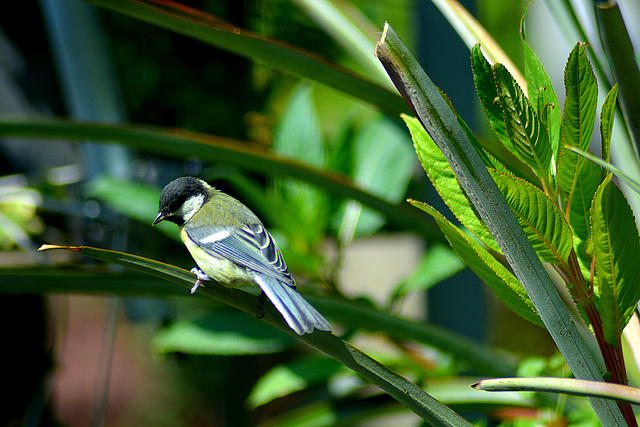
(444, 181)
(499, 279)
(578, 180)
(540, 89)
(528, 136)
(606, 122)
(581, 96)
(616, 246)
(487, 93)
(539, 216)
(221, 333)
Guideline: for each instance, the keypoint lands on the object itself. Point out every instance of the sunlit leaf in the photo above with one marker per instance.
(283, 380)
(540, 218)
(444, 181)
(222, 332)
(501, 281)
(616, 246)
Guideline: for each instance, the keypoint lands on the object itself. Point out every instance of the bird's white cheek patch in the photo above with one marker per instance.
(190, 207)
(215, 237)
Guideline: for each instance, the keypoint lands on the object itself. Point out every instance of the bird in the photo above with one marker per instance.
(230, 245)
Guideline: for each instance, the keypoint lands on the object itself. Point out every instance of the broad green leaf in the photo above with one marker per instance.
(383, 163)
(581, 96)
(606, 122)
(437, 264)
(283, 380)
(529, 138)
(444, 181)
(578, 180)
(616, 246)
(543, 223)
(499, 279)
(223, 332)
(488, 94)
(540, 89)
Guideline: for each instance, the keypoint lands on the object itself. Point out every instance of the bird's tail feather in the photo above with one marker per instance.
(298, 313)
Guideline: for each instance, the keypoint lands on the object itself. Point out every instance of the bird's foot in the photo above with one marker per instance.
(201, 278)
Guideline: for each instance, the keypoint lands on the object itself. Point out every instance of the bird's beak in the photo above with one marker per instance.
(161, 216)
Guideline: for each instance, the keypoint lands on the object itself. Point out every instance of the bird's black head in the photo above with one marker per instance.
(181, 199)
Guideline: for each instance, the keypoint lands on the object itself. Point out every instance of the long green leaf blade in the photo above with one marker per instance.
(616, 246)
(276, 54)
(622, 393)
(433, 112)
(624, 65)
(185, 144)
(403, 390)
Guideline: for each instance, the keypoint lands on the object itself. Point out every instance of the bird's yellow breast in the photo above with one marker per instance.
(219, 269)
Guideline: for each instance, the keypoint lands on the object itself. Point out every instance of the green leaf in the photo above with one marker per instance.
(437, 264)
(572, 386)
(540, 89)
(606, 122)
(444, 181)
(135, 200)
(181, 144)
(501, 281)
(283, 380)
(223, 333)
(277, 54)
(528, 136)
(401, 389)
(441, 124)
(298, 136)
(543, 223)
(581, 96)
(616, 247)
(383, 163)
(578, 180)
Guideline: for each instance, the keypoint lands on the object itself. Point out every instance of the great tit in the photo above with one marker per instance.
(231, 246)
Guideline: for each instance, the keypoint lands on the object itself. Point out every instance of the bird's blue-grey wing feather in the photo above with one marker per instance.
(250, 246)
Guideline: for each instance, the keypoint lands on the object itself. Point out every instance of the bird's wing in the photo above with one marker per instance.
(250, 246)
